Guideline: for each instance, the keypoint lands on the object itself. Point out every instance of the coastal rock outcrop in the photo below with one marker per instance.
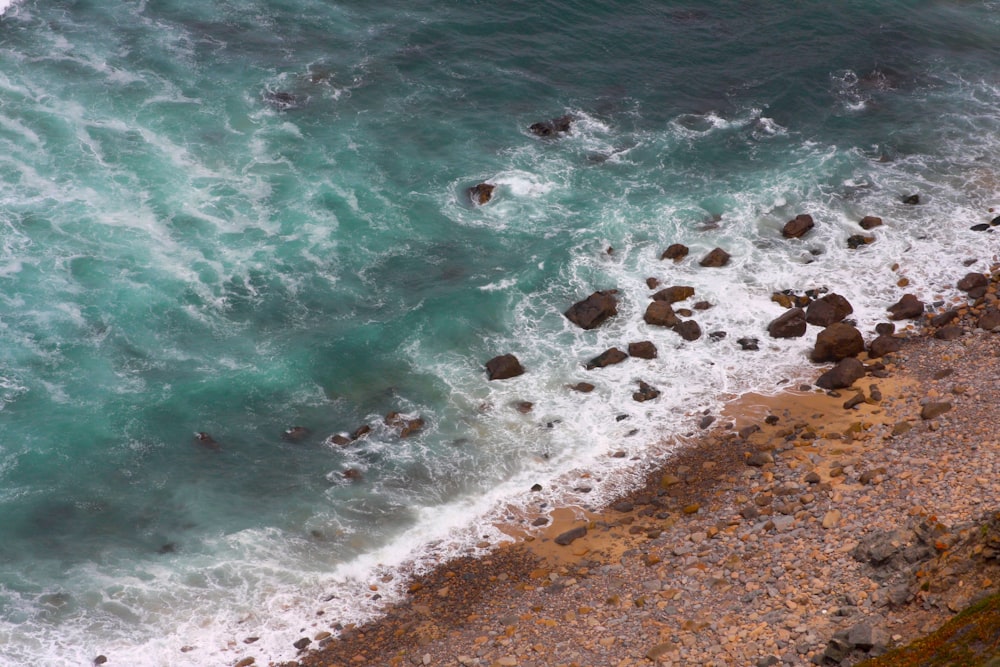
(594, 310)
(836, 342)
(503, 367)
(798, 227)
(790, 324)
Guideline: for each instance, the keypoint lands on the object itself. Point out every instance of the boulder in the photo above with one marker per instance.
(702, 305)
(582, 387)
(944, 318)
(883, 345)
(790, 324)
(482, 193)
(503, 367)
(836, 342)
(797, 227)
(652, 283)
(659, 313)
(907, 308)
(716, 258)
(676, 252)
(885, 328)
(594, 310)
(552, 127)
(407, 426)
(950, 332)
(828, 309)
(674, 294)
(688, 330)
(844, 374)
(645, 393)
(934, 409)
(981, 227)
(607, 358)
(571, 535)
(855, 241)
(990, 319)
(750, 344)
(642, 350)
(870, 222)
(973, 280)
(912, 200)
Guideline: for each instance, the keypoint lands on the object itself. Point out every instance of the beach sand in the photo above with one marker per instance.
(768, 540)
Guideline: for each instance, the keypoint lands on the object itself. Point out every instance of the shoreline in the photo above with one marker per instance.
(745, 546)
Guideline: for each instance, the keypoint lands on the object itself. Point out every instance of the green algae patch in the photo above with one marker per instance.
(971, 639)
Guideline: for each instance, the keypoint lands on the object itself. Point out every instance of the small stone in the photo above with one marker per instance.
(659, 650)
(568, 537)
(300, 644)
(831, 519)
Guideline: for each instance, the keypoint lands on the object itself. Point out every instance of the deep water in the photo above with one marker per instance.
(238, 217)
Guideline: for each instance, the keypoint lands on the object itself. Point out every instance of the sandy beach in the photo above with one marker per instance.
(795, 531)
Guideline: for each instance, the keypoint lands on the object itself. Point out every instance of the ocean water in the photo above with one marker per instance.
(240, 217)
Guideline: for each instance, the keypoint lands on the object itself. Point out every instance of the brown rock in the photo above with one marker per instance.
(798, 227)
(676, 252)
(551, 128)
(688, 330)
(716, 258)
(885, 328)
(646, 393)
(652, 283)
(567, 538)
(855, 241)
(844, 374)
(790, 324)
(947, 317)
(607, 358)
(674, 294)
(659, 313)
(482, 193)
(642, 350)
(582, 387)
(594, 310)
(884, 345)
(950, 332)
(870, 222)
(702, 305)
(836, 342)
(907, 308)
(503, 367)
(990, 319)
(934, 409)
(972, 281)
(828, 309)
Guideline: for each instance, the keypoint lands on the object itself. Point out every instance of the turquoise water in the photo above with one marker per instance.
(240, 217)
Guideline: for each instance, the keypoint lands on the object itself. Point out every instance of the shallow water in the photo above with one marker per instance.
(240, 217)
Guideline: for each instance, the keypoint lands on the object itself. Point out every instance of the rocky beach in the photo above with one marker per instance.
(815, 526)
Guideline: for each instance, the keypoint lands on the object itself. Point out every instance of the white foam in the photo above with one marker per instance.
(5, 5)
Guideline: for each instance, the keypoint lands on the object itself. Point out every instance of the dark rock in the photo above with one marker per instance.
(977, 292)
(747, 431)
(812, 478)
(950, 332)
(405, 425)
(524, 407)
(760, 459)
(990, 320)
(885, 328)
(912, 200)
(828, 309)
(659, 313)
(481, 193)
(361, 431)
(837, 341)
(857, 399)
(934, 409)
(339, 440)
(594, 310)
(205, 440)
(836, 652)
(716, 258)
(567, 538)
(536, 487)
(973, 280)
(352, 473)
(844, 374)
(870, 222)
(550, 128)
(864, 636)
(540, 521)
(623, 506)
(884, 345)
(855, 241)
(688, 330)
(768, 661)
(503, 367)
(674, 294)
(645, 393)
(302, 643)
(607, 358)
(717, 335)
(282, 100)
(947, 317)
(771, 420)
(582, 387)
(798, 227)
(907, 308)
(981, 227)
(652, 283)
(642, 350)
(676, 252)
(995, 221)
(706, 421)
(295, 433)
(750, 344)
(702, 305)
(100, 660)
(790, 324)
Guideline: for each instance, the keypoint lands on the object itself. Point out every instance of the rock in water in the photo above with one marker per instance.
(716, 258)
(594, 310)
(797, 227)
(828, 309)
(674, 294)
(790, 324)
(642, 350)
(676, 252)
(550, 128)
(482, 193)
(659, 313)
(836, 342)
(607, 358)
(870, 222)
(907, 308)
(503, 367)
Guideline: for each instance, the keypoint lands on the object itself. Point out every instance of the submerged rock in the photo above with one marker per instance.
(552, 127)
